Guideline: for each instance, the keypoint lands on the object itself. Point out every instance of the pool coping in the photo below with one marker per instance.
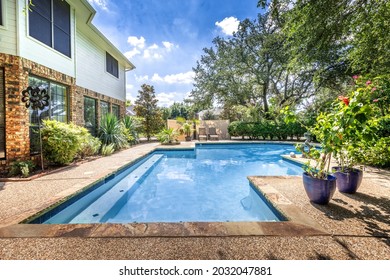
(298, 223)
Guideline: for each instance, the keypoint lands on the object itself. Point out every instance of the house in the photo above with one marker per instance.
(54, 45)
(130, 111)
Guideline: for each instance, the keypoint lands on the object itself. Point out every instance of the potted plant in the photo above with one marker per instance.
(353, 124)
(187, 130)
(318, 182)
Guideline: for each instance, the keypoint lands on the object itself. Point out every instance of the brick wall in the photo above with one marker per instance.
(77, 106)
(16, 73)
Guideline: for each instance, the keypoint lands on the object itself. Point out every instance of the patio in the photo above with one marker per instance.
(351, 227)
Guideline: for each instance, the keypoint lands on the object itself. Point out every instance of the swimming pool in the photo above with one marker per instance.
(205, 184)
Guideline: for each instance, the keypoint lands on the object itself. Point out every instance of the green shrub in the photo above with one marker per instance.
(61, 142)
(89, 146)
(378, 154)
(266, 129)
(21, 167)
(111, 132)
(107, 149)
(167, 136)
(384, 126)
(131, 125)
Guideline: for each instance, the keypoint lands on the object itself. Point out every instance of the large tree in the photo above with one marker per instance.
(251, 69)
(146, 107)
(345, 36)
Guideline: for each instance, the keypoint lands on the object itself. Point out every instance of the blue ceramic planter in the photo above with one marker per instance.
(349, 181)
(318, 190)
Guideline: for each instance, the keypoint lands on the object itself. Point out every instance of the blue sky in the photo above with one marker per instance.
(165, 38)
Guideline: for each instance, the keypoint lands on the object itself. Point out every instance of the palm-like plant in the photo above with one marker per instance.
(167, 136)
(132, 126)
(111, 132)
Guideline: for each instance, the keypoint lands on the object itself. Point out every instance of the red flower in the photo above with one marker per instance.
(344, 99)
(355, 77)
(373, 89)
(368, 83)
(375, 100)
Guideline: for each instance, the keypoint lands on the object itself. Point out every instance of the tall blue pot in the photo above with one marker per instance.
(348, 181)
(319, 191)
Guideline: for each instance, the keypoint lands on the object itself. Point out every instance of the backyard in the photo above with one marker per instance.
(264, 135)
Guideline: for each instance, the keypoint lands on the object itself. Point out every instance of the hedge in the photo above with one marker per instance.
(267, 129)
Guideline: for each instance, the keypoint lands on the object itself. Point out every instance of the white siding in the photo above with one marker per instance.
(91, 69)
(36, 51)
(8, 30)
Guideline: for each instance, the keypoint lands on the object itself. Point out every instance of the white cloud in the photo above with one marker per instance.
(136, 42)
(228, 25)
(167, 99)
(168, 45)
(180, 78)
(150, 52)
(141, 79)
(129, 86)
(102, 4)
(132, 53)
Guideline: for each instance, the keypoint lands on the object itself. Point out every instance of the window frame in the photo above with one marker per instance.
(119, 111)
(3, 14)
(95, 127)
(53, 27)
(3, 155)
(100, 108)
(109, 60)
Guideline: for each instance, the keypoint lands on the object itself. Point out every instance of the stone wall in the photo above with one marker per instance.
(16, 73)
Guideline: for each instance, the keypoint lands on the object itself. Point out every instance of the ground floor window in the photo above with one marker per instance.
(104, 108)
(57, 109)
(90, 115)
(115, 110)
(2, 113)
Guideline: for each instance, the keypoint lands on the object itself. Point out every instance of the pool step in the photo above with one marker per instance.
(97, 209)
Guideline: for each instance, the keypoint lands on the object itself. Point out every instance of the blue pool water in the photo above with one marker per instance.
(206, 184)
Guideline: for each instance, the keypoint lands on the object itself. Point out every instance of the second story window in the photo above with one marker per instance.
(112, 65)
(49, 22)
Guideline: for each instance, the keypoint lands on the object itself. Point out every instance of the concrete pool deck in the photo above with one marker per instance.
(350, 227)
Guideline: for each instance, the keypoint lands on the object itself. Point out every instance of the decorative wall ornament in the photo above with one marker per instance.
(37, 99)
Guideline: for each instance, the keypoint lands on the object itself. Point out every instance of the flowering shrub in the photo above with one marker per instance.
(353, 122)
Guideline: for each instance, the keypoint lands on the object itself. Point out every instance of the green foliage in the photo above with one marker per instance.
(21, 167)
(333, 33)
(131, 125)
(146, 107)
(167, 136)
(61, 142)
(111, 132)
(107, 149)
(186, 129)
(384, 126)
(179, 110)
(266, 129)
(89, 145)
(376, 154)
(250, 69)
